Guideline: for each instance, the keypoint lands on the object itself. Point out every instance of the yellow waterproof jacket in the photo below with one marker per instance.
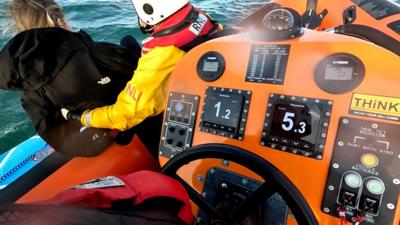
(144, 95)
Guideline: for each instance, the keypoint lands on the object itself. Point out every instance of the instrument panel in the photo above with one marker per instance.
(286, 101)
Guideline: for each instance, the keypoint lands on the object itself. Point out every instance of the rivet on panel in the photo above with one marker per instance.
(199, 179)
(336, 166)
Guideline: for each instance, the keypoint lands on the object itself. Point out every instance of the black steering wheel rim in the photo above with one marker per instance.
(292, 196)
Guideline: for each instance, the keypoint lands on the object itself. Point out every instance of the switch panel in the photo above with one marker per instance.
(363, 174)
(179, 124)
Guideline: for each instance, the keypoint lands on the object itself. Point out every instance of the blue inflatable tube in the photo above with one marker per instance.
(22, 158)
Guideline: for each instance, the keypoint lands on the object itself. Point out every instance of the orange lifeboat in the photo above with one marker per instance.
(279, 124)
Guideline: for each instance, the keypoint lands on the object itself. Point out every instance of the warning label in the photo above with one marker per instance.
(375, 106)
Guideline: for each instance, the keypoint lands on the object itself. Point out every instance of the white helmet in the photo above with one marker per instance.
(154, 11)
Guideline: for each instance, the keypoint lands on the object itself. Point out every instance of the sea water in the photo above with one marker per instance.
(104, 20)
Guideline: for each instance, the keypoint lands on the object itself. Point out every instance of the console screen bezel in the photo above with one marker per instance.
(236, 101)
(316, 126)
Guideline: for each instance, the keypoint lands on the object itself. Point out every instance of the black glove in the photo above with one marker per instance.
(74, 116)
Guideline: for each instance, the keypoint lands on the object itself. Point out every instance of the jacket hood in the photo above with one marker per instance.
(35, 57)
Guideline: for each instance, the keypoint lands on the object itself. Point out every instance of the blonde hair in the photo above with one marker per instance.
(30, 14)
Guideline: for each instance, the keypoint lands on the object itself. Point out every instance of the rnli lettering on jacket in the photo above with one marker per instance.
(185, 27)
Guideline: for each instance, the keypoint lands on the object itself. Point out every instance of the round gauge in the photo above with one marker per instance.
(179, 107)
(375, 186)
(339, 73)
(279, 20)
(353, 180)
(211, 66)
(277, 25)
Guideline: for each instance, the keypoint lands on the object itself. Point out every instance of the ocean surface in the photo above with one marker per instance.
(104, 20)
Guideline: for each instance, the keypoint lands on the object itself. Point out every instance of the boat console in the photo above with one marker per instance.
(303, 123)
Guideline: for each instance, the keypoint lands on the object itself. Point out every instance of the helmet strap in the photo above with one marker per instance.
(148, 29)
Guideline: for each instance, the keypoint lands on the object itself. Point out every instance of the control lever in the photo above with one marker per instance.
(311, 20)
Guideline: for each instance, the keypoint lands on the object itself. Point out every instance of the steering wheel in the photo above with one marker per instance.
(275, 182)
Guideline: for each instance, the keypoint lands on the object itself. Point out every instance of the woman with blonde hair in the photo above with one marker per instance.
(56, 68)
(30, 14)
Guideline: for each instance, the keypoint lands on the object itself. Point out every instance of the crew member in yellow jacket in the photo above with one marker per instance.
(175, 26)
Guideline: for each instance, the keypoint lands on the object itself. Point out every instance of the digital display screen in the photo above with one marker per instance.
(268, 63)
(296, 124)
(210, 66)
(223, 110)
(339, 73)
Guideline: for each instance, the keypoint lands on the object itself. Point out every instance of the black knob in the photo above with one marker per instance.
(182, 132)
(179, 144)
(170, 141)
(172, 129)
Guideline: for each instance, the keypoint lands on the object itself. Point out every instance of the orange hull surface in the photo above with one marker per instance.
(117, 160)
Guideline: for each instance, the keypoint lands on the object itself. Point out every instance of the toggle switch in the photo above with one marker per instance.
(348, 198)
(369, 205)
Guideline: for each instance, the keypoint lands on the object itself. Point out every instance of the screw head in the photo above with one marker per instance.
(336, 166)
(390, 206)
(199, 179)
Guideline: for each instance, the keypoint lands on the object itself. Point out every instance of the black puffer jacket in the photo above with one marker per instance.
(55, 69)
